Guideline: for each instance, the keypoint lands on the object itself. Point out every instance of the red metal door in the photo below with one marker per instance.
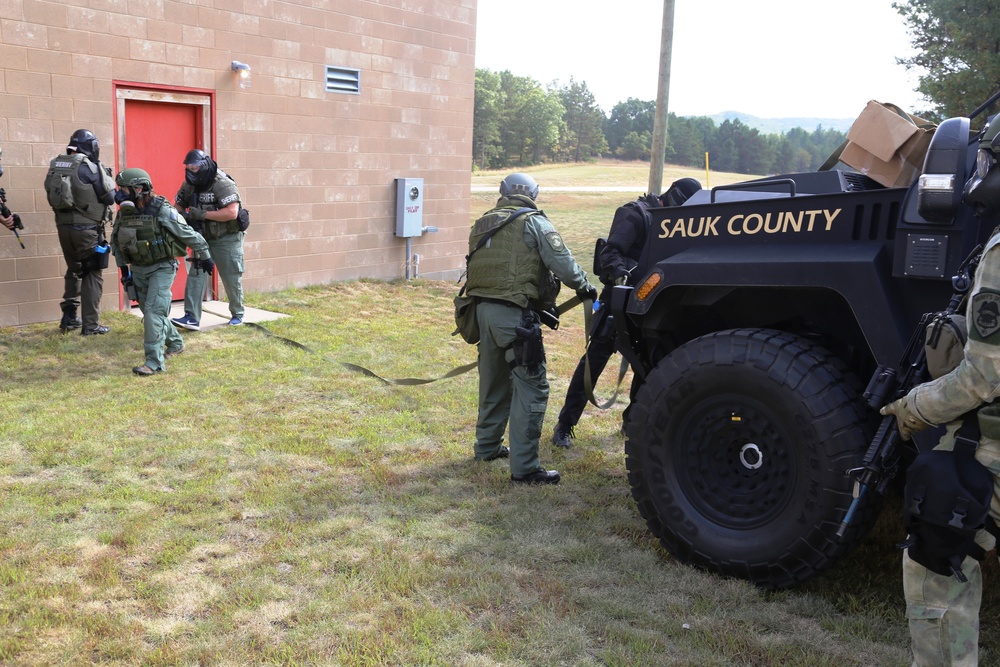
(157, 137)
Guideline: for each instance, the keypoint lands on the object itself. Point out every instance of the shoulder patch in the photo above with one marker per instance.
(985, 315)
(555, 241)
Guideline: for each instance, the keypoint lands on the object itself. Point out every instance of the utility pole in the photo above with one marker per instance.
(659, 149)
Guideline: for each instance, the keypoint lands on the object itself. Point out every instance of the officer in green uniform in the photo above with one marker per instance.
(943, 612)
(81, 193)
(147, 238)
(210, 202)
(505, 275)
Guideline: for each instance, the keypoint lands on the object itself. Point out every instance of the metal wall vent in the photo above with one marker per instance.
(343, 80)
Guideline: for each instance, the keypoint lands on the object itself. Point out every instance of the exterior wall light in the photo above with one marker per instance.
(243, 70)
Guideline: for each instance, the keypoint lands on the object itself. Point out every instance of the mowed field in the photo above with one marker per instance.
(264, 504)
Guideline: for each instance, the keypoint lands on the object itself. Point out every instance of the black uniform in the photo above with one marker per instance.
(626, 240)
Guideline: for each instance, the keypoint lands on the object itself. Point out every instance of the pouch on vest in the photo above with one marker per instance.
(944, 343)
(59, 191)
(946, 502)
(599, 246)
(466, 322)
(243, 219)
(548, 290)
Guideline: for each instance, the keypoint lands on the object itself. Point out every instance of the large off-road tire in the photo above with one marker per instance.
(737, 449)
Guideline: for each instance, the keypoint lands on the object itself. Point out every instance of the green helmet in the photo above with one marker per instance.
(134, 177)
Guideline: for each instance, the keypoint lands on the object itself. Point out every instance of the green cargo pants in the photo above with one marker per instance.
(517, 395)
(227, 253)
(152, 286)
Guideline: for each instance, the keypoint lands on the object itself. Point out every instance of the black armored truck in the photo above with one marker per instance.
(759, 312)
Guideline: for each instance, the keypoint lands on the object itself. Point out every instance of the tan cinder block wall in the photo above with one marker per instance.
(317, 169)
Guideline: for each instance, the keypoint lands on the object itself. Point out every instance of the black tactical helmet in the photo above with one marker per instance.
(519, 184)
(982, 190)
(680, 191)
(207, 169)
(85, 142)
(134, 177)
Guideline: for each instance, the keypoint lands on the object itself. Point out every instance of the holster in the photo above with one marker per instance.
(528, 349)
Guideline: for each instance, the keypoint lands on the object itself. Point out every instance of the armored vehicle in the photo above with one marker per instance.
(760, 311)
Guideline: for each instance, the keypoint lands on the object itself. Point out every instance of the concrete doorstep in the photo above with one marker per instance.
(216, 314)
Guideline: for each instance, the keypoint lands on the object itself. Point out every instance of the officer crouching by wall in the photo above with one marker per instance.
(147, 238)
(505, 275)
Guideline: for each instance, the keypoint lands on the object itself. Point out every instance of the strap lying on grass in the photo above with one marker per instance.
(566, 306)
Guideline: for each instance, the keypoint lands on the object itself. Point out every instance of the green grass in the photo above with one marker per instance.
(261, 505)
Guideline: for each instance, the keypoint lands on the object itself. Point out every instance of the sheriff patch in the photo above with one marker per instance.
(555, 241)
(985, 314)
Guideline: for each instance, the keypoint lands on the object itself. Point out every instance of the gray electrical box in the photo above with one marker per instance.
(409, 206)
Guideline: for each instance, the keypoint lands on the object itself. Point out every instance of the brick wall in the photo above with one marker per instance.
(316, 168)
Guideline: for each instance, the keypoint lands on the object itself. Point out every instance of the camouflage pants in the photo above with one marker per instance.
(944, 613)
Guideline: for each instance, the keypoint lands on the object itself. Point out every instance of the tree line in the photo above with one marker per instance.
(517, 122)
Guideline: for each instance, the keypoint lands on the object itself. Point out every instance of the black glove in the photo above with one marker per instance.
(589, 292)
(125, 272)
(205, 265)
(195, 214)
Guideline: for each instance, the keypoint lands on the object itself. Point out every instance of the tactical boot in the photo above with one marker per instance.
(562, 435)
(95, 331)
(69, 320)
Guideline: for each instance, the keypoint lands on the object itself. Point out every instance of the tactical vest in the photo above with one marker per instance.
(86, 205)
(212, 199)
(506, 267)
(141, 236)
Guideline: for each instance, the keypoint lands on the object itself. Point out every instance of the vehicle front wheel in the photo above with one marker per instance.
(738, 447)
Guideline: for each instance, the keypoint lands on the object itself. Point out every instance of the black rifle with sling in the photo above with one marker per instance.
(5, 213)
(881, 462)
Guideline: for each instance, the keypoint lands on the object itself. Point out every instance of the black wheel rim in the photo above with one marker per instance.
(734, 461)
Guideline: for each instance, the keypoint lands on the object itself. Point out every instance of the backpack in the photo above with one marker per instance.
(59, 191)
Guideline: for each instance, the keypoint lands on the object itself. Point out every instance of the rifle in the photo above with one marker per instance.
(5, 212)
(881, 462)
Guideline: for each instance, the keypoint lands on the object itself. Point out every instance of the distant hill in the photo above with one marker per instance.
(783, 125)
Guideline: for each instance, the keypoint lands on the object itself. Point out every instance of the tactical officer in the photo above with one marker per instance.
(81, 193)
(943, 612)
(506, 275)
(619, 256)
(147, 238)
(210, 202)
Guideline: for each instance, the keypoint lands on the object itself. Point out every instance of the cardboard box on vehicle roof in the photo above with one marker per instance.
(887, 144)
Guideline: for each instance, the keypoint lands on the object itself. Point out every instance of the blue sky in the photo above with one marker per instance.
(769, 58)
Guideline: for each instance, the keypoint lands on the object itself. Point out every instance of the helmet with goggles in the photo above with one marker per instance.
(982, 191)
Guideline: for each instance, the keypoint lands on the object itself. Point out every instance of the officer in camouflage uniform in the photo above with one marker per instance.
(81, 228)
(147, 238)
(210, 202)
(504, 275)
(943, 613)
